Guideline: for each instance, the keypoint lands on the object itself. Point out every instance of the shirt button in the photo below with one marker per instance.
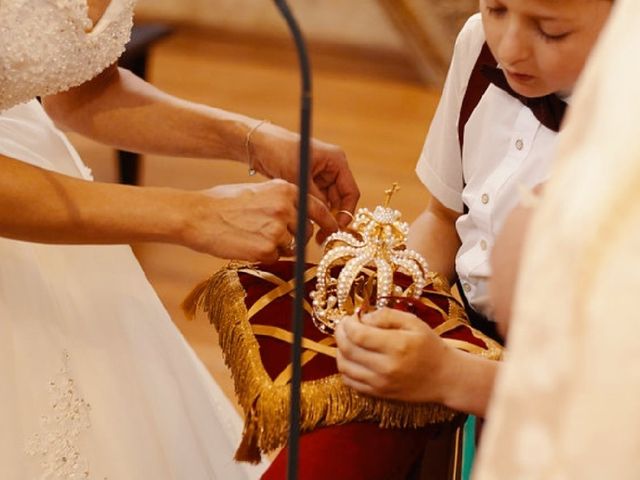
(466, 287)
(519, 144)
(484, 245)
(485, 198)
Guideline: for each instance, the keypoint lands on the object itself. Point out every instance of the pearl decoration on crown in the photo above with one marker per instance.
(374, 239)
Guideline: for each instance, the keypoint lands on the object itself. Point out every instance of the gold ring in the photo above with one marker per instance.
(347, 213)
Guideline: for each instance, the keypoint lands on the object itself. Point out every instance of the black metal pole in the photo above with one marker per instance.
(303, 182)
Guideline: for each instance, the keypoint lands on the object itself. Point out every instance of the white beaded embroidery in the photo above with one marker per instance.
(57, 443)
(49, 46)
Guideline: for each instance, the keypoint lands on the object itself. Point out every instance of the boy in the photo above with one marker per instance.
(479, 154)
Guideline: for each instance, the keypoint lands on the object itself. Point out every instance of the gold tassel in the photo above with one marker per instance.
(222, 299)
(248, 450)
(190, 304)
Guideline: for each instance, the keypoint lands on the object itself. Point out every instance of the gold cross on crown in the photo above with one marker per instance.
(389, 193)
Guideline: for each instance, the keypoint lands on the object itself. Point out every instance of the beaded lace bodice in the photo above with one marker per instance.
(49, 46)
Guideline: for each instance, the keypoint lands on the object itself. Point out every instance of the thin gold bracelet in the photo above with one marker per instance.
(247, 145)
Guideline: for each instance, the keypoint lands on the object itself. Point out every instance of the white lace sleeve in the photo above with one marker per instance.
(49, 46)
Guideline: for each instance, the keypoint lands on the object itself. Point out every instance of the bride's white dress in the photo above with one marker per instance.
(95, 380)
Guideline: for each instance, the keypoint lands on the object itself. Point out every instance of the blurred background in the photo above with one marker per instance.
(421, 29)
(378, 68)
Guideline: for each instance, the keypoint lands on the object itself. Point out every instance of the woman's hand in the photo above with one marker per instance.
(254, 222)
(275, 152)
(392, 354)
(164, 125)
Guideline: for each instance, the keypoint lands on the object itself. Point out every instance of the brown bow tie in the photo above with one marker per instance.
(549, 110)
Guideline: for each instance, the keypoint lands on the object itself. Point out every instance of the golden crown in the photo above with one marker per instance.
(375, 239)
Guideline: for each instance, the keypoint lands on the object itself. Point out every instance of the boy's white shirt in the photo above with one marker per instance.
(505, 148)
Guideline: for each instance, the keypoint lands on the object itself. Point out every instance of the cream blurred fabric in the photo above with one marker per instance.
(567, 402)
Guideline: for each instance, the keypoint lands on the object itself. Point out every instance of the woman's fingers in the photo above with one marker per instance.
(321, 216)
(255, 222)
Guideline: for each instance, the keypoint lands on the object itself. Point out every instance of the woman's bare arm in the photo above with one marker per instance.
(252, 222)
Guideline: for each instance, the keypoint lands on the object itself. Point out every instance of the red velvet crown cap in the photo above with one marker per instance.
(251, 307)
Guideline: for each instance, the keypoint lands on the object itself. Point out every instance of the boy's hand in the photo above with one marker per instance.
(392, 354)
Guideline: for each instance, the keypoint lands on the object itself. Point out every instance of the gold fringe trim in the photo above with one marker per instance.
(190, 304)
(324, 402)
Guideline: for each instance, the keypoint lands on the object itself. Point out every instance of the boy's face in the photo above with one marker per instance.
(542, 45)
